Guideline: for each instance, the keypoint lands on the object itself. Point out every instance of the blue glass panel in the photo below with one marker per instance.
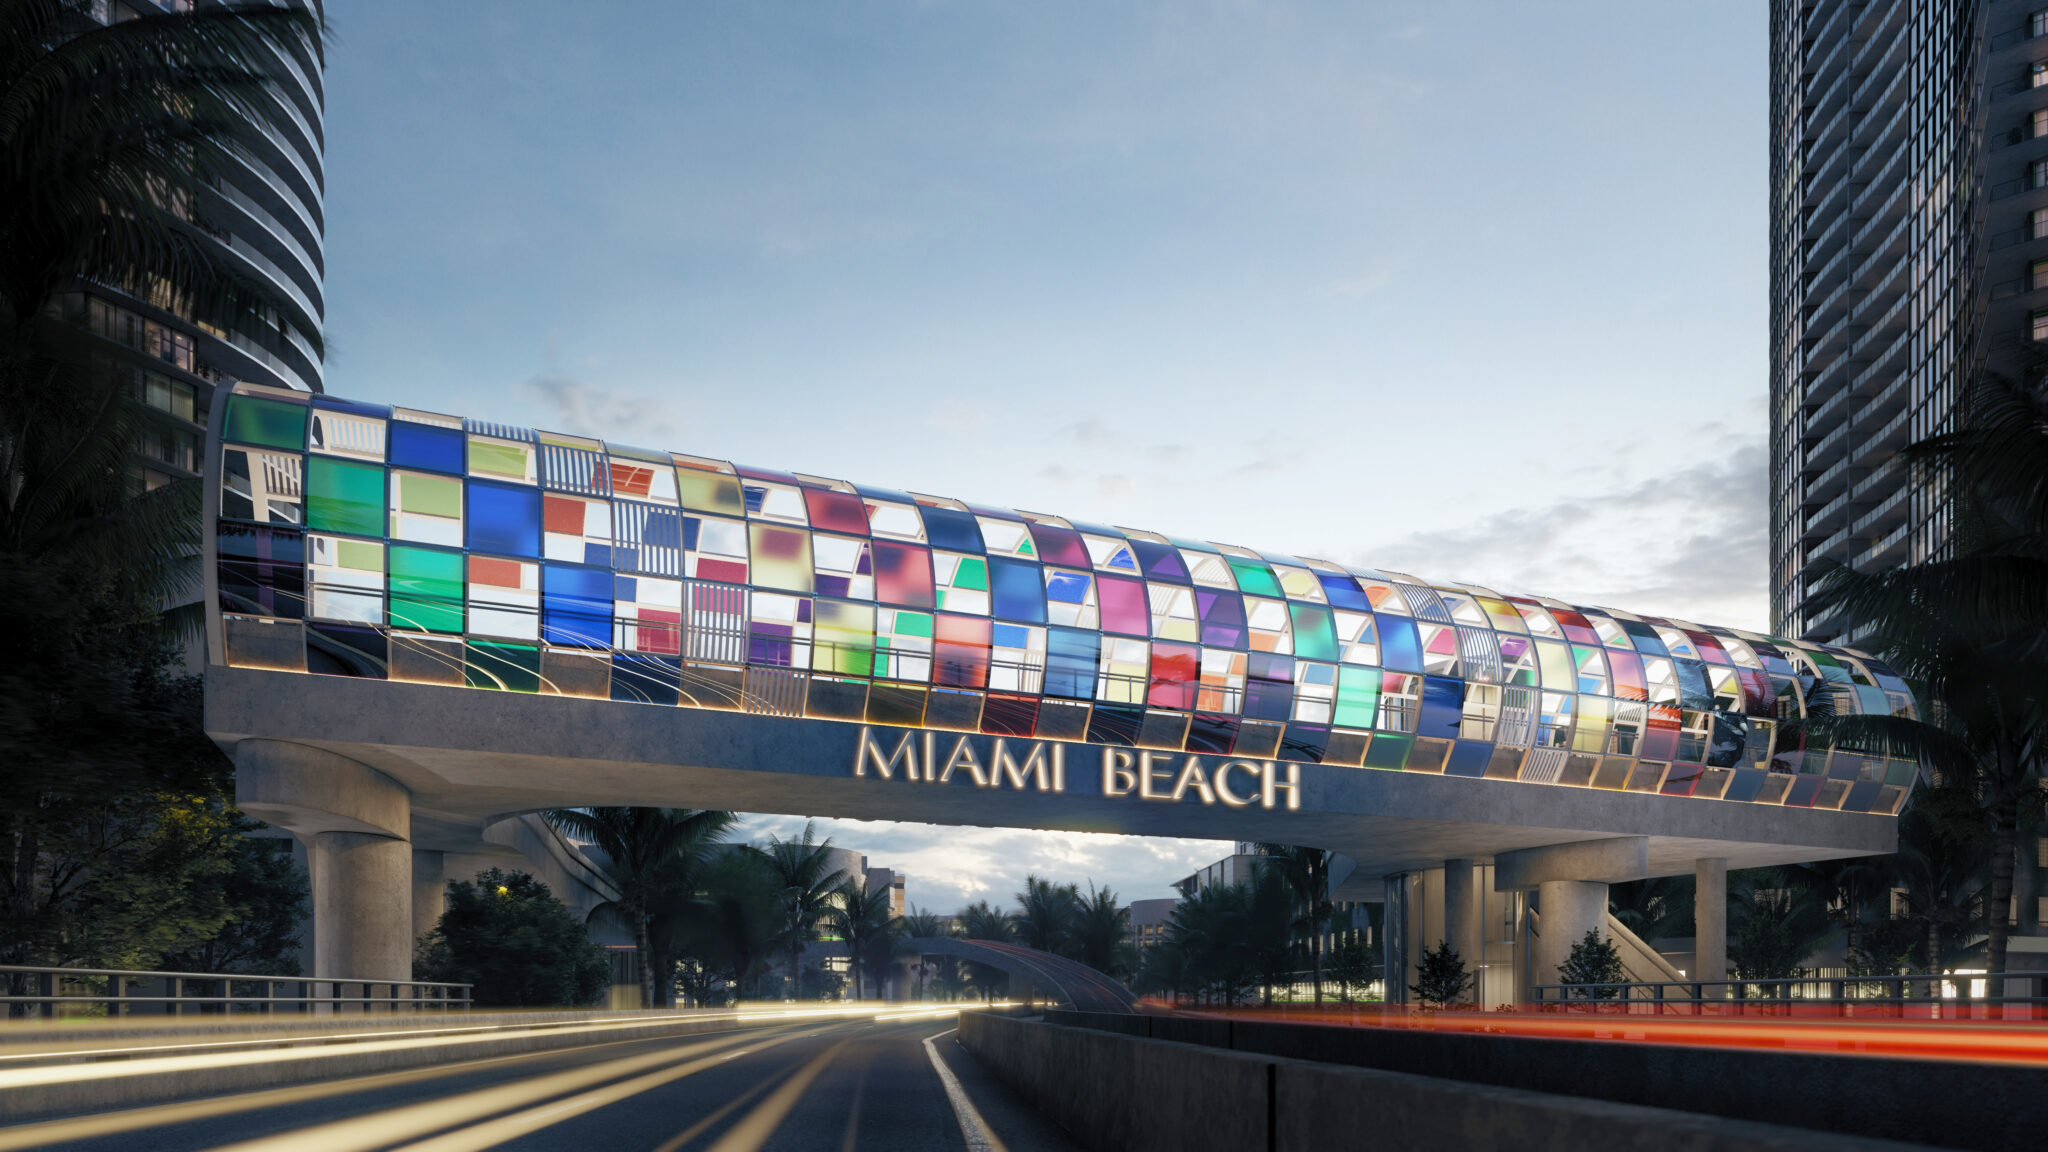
(1443, 706)
(1469, 759)
(1116, 724)
(576, 605)
(1019, 589)
(1268, 700)
(1343, 592)
(426, 447)
(1305, 742)
(1160, 562)
(357, 407)
(952, 530)
(1071, 657)
(1644, 636)
(1066, 587)
(1400, 649)
(1211, 734)
(646, 679)
(504, 519)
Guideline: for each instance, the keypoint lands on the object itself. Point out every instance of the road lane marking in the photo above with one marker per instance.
(695, 1130)
(973, 1128)
(15, 1138)
(506, 1128)
(757, 1126)
(410, 1122)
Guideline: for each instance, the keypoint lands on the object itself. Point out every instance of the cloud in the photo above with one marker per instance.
(950, 867)
(1692, 542)
(1374, 277)
(584, 408)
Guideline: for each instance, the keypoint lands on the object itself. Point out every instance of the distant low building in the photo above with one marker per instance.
(1149, 920)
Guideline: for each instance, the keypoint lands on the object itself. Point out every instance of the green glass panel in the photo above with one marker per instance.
(703, 491)
(508, 667)
(271, 423)
(1253, 578)
(1315, 632)
(359, 555)
(344, 496)
(1358, 696)
(1559, 675)
(509, 460)
(430, 495)
(1388, 751)
(845, 638)
(912, 624)
(972, 574)
(426, 589)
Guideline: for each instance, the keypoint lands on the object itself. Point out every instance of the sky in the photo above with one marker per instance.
(1475, 291)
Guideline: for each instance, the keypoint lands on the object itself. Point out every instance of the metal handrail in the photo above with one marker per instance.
(1887, 994)
(116, 992)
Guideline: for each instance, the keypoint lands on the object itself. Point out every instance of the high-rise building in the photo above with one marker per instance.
(1909, 248)
(264, 218)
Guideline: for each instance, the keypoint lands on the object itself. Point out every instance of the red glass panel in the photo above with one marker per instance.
(903, 574)
(960, 651)
(1124, 607)
(1060, 546)
(1660, 733)
(1176, 671)
(836, 511)
(1628, 676)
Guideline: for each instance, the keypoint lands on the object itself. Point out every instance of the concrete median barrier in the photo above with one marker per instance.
(1113, 1090)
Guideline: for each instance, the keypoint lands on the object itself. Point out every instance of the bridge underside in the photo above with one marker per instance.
(468, 758)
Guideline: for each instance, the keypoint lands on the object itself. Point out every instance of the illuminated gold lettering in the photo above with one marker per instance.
(870, 752)
(963, 757)
(1232, 799)
(1192, 776)
(931, 757)
(1117, 777)
(1059, 767)
(1003, 766)
(1147, 774)
(1274, 784)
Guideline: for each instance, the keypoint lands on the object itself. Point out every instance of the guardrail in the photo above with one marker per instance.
(50, 992)
(1937, 996)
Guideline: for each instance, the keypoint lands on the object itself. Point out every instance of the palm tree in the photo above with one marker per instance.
(983, 921)
(1307, 873)
(1045, 914)
(730, 921)
(1099, 927)
(649, 856)
(862, 920)
(1971, 624)
(803, 872)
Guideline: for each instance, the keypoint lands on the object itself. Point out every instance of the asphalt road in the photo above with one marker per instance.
(836, 1086)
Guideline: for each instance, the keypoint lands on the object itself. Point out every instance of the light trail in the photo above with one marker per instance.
(2016, 1042)
(414, 1121)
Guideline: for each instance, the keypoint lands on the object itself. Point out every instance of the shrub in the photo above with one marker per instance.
(508, 935)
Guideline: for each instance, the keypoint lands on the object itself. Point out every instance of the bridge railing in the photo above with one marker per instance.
(51, 992)
(1938, 996)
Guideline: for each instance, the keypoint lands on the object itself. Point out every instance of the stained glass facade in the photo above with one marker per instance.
(366, 541)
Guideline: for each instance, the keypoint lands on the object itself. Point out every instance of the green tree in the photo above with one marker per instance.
(1594, 960)
(1655, 908)
(508, 935)
(728, 922)
(1353, 966)
(1099, 927)
(1046, 915)
(267, 900)
(861, 918)
(1777, 924)
(1440, 976)
(649, 855)
(983, 921)
(1969, 623)
(1307, 872)
(804, 876)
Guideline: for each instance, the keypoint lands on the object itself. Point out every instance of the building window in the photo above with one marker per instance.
(2037, 24)
(2037, 275)
(2037, 174)
(2038, 74)
(2037, 224)
(2040, 325)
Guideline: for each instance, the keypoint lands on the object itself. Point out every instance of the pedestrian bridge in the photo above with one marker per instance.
(421, 624)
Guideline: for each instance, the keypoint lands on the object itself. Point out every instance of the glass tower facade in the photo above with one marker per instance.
(1909, 248)
(265, 218)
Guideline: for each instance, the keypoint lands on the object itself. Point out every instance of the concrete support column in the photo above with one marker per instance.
(1570, 881)
(1462, 904)
(355, 823)
(429, 891)
(1710, 919)
(1570, 909)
